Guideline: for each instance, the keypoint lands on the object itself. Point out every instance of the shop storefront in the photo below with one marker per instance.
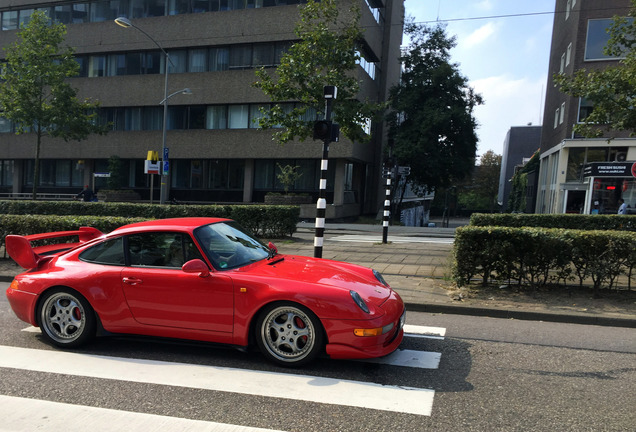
(607, 183)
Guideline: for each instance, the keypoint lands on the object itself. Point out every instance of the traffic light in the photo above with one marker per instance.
(322, 130)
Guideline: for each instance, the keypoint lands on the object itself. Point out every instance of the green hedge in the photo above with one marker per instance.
(35, 224)
(540, 256)
(263, 221)
(565, 221)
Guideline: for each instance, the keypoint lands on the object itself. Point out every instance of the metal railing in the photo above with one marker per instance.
(39, 196)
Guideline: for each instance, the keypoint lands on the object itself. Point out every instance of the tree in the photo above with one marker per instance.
(34, 93)
(431, 123)
(610, 90)
(517, 197)
(324, 55)
(487, 178)
(288, 176)
(479, 192)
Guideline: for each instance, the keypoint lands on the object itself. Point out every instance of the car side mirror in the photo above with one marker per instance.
(196, 266)
(273, 248)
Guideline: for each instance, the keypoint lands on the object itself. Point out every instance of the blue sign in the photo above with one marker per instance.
(166, 152)
(166, 167)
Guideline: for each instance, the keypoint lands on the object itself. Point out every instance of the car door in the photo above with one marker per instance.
(159, 293)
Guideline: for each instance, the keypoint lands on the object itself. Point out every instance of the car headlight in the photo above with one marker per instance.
(379, 277)
(361, 304)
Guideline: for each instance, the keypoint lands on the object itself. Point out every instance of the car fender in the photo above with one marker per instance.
(252, 295)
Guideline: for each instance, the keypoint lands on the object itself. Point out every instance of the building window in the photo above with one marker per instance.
(219, 59)
(179, 61)
(197, 60)
(240, 56)
(237, 117)
(10, 20)
(6, 125)
(6, 173)
(576, 162)
(97, 66)
(568, 7)
(562, 67)
(108, 10)
(585, 109)
(562, 113)
(556, 118)
(55, 173)
(216, 117)
(597, 38)
(257, 113)
(568, 55)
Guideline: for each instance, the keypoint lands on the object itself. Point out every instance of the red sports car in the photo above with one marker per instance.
(202, 279)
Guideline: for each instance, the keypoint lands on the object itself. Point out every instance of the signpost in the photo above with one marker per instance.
(152, 167)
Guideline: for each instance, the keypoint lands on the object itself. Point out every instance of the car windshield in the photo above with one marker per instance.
(228, 246)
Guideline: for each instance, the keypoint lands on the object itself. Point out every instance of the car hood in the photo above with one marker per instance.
(333, 274)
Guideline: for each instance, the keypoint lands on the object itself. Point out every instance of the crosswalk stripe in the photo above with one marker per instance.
(424, 331)
(392, 239)
(409, 358)
(269, 384)
(409, 330)
(31, 414)
(406, 358)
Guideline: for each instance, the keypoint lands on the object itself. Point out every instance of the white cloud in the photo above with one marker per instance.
(484, 5)
(479, 36)
(507, 102)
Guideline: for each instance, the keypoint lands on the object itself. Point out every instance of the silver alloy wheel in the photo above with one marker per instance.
(288, 334)
(63, 318)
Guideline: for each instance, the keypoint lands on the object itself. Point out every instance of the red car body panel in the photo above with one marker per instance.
(219, 307)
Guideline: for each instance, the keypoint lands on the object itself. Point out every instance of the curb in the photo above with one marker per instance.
(568, 318)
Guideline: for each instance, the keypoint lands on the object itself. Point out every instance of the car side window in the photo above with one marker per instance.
(110, 252)
(161, 249)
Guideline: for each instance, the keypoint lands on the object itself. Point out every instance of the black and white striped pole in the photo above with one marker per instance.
(387, 206)
(324, 130)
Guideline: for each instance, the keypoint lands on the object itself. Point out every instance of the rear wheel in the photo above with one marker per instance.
(289, 334)
(66, 318)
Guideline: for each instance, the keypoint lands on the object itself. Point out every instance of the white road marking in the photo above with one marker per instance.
(424, 331)
(21, 414)
(32, 329)
(391, 239)
(409, 358)
(269, 384)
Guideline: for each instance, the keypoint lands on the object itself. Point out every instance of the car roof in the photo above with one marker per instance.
(187, 224)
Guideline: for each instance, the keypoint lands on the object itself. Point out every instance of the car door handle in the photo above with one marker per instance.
(132, 281)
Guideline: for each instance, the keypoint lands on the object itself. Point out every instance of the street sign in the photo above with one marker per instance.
(103, 174)
(166, 167)
(151, 167)
(166, 152)
(404, 170)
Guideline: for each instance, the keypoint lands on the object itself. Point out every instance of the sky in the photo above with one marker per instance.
(505, 58)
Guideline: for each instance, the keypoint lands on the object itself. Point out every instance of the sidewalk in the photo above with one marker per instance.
(420, 273)
(416, 263)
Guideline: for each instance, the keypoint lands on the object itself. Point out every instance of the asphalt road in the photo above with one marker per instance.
(466, 374)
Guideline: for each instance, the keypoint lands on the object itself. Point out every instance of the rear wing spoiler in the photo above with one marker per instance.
(20, 250)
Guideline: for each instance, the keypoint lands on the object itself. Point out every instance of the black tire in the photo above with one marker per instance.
(66, 318)
(289, 334)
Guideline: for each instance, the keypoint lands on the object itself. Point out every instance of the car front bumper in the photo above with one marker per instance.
(344, 344)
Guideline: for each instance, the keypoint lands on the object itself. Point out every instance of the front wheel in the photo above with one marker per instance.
(289, 334)
(66, 318)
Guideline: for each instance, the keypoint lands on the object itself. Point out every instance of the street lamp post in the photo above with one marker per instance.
(126, 23)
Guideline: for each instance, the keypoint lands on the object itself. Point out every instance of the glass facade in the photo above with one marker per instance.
(108, 10)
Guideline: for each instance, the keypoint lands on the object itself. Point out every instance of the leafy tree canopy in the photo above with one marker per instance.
(432, 126)
(611, 90)
(34, 93)
(324, 55)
